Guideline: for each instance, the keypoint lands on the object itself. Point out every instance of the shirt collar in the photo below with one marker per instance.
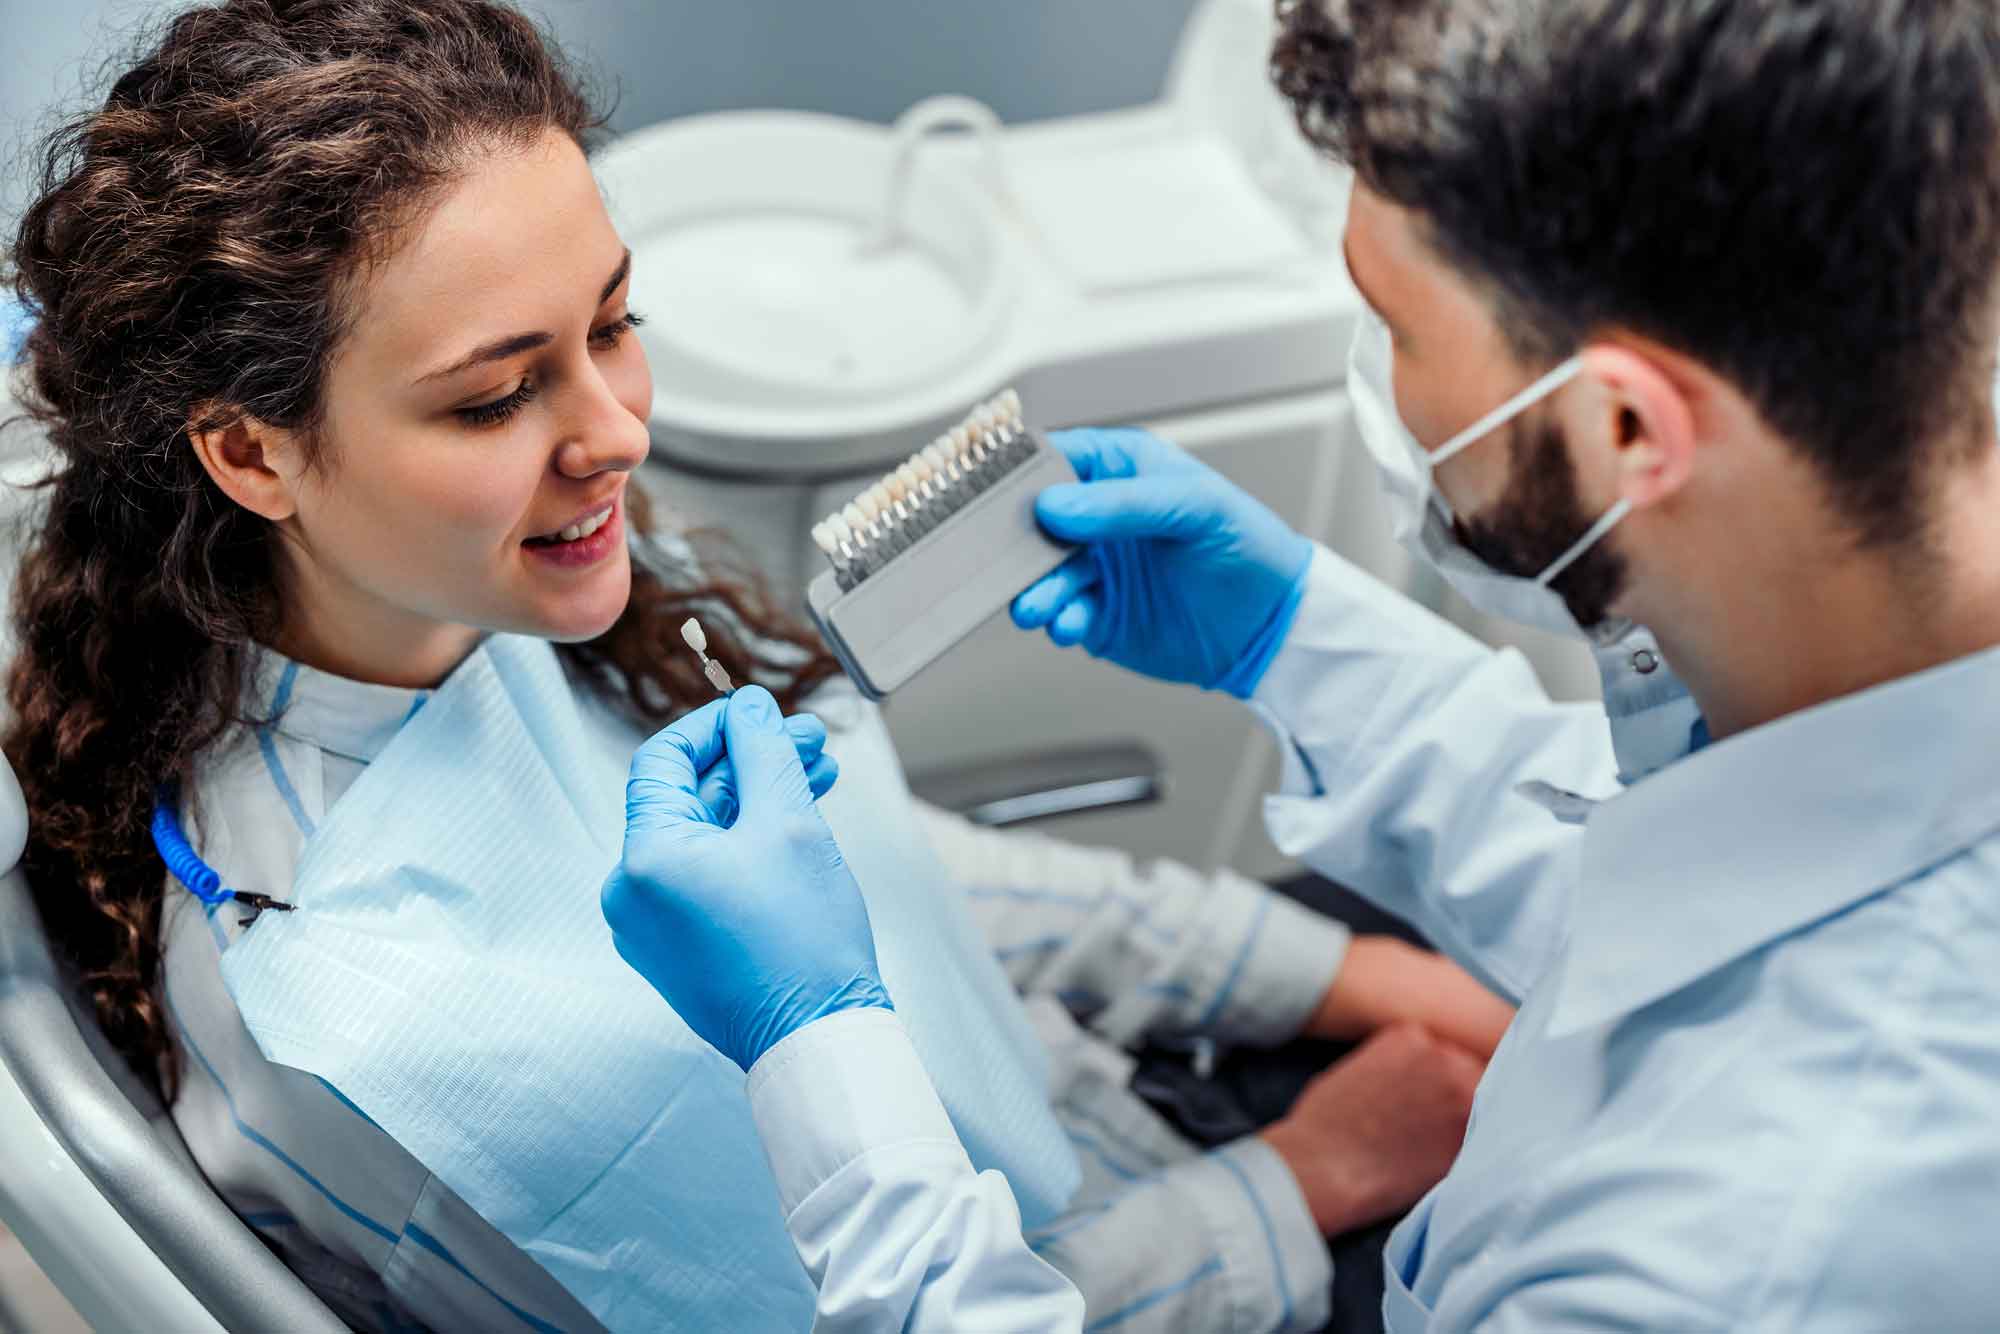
(1752, 838)
(353, 719)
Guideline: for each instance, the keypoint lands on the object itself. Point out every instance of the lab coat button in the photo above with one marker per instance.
(1645, 661)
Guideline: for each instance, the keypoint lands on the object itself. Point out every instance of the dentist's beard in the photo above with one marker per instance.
(1538, 519)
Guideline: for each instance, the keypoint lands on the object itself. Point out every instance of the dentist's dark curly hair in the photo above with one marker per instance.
(1804, 195)
(190, 258)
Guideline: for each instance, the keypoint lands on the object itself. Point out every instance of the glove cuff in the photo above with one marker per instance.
(1242, 679)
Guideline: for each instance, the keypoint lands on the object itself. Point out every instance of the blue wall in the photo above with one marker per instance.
(1027, 59)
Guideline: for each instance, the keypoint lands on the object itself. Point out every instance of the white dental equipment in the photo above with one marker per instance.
(923, 557)
(697, 639)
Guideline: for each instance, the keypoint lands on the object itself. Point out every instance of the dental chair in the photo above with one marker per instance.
(94, 1178)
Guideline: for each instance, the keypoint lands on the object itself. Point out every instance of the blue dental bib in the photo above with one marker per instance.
(447, 969)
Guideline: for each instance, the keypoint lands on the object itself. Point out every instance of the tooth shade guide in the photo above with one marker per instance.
(696, 637)
(916, 496)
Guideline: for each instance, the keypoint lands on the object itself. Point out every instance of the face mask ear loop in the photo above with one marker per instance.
(1611, 519)
(1512, 408)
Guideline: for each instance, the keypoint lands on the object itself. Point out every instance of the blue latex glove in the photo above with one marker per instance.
(15, 322)
(753, 930)
(1182, 575)
(718, 787)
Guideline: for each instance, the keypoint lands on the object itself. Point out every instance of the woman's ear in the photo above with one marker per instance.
(257, 466)
(1651, 423)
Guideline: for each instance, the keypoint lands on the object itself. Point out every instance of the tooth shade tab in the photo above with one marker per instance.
(696, 637)
(890, 516)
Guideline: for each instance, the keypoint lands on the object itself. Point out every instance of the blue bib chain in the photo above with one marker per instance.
(198, 876)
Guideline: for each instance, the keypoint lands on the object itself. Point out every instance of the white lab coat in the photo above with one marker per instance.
(1498, 875)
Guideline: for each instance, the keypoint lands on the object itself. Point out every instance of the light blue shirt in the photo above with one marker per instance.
(1755, 1079)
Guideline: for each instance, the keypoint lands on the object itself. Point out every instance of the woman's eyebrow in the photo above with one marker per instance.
(513, 344)
(617, 276)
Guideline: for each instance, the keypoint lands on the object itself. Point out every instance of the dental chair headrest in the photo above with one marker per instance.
(13, 818)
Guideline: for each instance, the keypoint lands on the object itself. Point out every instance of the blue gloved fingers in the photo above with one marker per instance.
(1074, 624)
(1055, 590)
(717, 788)
(766, 760)
(808, 736)
(1099, 452)
(1179, 505)
(663, 786)
(822, 774)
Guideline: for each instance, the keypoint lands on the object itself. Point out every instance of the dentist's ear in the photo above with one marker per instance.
(255, 465)
(1652, 426)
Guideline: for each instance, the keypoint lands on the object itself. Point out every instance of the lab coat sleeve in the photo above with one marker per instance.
(890, 1219)
(1141, 951)
(1404, 742)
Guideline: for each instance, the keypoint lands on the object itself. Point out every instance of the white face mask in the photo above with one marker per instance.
(1419, 514)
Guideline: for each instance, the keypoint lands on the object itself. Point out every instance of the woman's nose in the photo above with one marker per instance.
(607, 439)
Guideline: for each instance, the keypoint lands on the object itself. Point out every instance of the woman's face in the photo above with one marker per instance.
(488, 398)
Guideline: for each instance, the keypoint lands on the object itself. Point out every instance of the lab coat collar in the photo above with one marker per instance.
(350, 718)
(1753, 838)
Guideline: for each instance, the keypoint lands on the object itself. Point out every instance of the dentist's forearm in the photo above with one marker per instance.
(891, 1221)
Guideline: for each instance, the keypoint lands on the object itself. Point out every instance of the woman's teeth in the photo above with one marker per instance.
(578, 531)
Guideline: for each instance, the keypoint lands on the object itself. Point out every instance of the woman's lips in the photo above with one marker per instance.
(584, 550)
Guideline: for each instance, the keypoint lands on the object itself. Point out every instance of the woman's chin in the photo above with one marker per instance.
(588, 613)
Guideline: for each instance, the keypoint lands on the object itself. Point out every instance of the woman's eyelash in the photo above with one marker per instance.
(499, 409)
(609, 335)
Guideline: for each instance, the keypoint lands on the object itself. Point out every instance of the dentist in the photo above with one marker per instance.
(1681, 316)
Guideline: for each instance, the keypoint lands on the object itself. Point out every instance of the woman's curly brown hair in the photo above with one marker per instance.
(189, 259)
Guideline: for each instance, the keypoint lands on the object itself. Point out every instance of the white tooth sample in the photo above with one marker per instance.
(696, 637)
(935, 455)
(1010, 404)
(920, 463)
(866, 502)
(893, 484)
(880, 495)
(961, 440)
(822, 535)
(856, 520)
(842, 534)
(908, 478)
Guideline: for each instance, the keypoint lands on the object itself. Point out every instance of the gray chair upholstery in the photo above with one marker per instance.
(147, 1178)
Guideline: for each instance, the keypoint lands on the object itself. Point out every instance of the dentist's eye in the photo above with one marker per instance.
(495, 411)
(608, 335)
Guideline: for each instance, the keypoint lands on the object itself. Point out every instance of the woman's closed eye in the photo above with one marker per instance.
(497, 410)
(609, 335)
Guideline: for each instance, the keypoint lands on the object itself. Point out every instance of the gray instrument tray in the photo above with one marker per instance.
(909, 613)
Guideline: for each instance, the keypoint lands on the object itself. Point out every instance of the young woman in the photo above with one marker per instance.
(333, 350)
